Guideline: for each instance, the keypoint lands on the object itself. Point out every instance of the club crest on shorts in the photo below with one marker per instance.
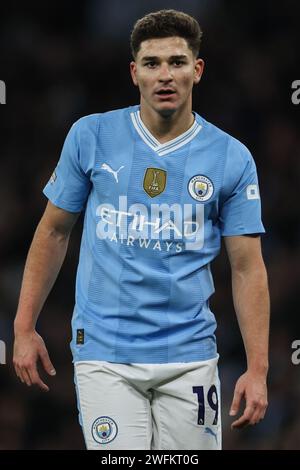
(200, 188)
(104, 430)
(155, 181)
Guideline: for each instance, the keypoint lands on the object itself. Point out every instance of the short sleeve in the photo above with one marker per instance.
(69, 185)
(240, 209)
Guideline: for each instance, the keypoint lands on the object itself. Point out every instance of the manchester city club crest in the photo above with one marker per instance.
(104, 430)
(155, 181)
(201, 188)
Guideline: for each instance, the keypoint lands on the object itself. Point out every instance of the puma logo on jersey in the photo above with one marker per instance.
(106, 167)
(210, 431)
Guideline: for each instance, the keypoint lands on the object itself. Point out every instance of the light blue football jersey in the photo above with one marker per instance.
(154, 217)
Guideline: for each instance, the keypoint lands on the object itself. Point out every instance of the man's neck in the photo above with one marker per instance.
(166, 128)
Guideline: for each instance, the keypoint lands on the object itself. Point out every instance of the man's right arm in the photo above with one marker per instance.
(44, 260)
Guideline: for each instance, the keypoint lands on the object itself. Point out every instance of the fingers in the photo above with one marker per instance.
(22, 374)
(26, 377)
(19, 374)
(36, 380)
(245, 419)
(48, 366)
(28, 349)
(260, 412)
(235, 402)
(253, 414)
(29, 375)
(251, 387)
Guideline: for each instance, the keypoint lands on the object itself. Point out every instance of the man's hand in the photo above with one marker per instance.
(44, 260)
(251, 387)
(28, 348)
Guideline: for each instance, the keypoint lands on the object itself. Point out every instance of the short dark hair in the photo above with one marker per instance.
(163, 24)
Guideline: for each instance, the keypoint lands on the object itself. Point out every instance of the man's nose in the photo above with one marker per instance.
(165, 73)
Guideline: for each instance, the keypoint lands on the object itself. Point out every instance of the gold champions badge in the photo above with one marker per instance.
(155, 181)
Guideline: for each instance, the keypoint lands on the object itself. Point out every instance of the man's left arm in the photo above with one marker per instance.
(252, 307)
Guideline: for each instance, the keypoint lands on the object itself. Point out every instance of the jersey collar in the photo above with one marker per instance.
(167, 147)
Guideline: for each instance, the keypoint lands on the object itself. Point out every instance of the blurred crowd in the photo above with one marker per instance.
(63, 60)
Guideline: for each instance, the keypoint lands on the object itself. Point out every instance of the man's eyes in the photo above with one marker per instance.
(178, 62)
(153, 64)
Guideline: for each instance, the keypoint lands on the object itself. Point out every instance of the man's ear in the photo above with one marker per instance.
(199, 67)
(133, 73)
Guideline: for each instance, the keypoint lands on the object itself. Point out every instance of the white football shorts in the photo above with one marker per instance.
(149, 406)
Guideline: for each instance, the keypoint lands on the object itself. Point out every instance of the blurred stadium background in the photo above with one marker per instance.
(63, 60)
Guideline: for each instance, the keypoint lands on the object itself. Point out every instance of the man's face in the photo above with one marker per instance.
(165, 71)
